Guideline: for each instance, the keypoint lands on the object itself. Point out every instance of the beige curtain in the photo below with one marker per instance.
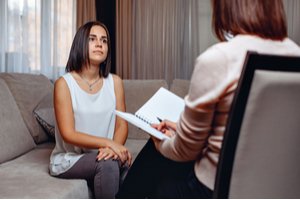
(86, 11)
(160, 39)
(124, 38)
(166, 37)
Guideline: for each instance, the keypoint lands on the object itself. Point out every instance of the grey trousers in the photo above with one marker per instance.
(103, 177)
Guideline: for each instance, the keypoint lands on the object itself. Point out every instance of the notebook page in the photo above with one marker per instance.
(141, 124)
(164, 105)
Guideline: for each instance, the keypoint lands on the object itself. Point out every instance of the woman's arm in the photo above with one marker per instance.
(121, 127)
(66, 125)
(195, 127)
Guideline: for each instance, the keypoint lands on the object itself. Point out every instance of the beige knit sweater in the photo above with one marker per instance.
(202, 124)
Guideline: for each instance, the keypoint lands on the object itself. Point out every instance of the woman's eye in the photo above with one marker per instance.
(91, 39)
(104, 41)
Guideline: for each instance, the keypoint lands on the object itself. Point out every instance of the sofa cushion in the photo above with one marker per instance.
(15, 138)
(137, 92)
(28, 90)
(180, 87)
(28, 177)
(46, 101)
(135, 146)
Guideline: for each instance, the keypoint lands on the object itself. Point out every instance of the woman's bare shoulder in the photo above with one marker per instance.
(116, 78)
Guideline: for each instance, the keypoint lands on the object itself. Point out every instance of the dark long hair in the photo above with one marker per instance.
(264, 18)
(79, 53)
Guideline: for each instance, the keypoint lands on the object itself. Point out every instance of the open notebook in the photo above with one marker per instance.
(162, 105)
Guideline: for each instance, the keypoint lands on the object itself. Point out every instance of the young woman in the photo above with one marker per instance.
(89, 137)
(159, 171)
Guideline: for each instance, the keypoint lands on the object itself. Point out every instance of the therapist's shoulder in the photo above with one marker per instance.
(214, 56)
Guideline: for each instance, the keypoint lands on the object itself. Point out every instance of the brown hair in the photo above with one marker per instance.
(264, 18)
(79, 53)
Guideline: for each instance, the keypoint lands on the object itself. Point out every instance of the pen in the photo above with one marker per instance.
(160, 120)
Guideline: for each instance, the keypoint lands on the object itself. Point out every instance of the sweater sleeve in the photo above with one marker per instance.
(195, 123)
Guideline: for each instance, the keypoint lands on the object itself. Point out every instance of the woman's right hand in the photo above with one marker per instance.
(106, 153)
(122, 152)
(167, 127)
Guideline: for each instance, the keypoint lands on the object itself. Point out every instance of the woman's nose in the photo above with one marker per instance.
(99, 44)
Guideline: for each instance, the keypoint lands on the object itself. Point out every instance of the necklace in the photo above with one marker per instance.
(90, 84)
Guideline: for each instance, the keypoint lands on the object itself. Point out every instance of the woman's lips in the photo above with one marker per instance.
(98, 52)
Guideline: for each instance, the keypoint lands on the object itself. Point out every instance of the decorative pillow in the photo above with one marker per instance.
(45, 117)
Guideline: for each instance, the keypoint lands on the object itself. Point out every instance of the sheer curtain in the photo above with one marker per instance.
(162, 38)
(36, 35)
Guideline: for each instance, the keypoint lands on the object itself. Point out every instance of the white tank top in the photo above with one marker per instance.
(93, 115)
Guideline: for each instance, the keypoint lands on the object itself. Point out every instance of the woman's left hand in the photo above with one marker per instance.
(106, 153)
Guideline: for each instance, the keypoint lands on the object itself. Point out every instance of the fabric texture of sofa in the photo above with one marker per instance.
(26, 134)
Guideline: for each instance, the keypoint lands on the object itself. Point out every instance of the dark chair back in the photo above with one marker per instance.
(260, 152)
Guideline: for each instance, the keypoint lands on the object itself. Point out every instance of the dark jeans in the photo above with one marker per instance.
(103, 177)
(154, 176)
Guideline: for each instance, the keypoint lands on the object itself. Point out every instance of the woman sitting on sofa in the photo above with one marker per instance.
(89, 137)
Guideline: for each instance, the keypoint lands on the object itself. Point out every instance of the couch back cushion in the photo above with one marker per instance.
(137, 92)
(180, 87)
(15, 138)
(28, 90)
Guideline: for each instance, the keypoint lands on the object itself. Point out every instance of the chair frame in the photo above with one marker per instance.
(253, 61)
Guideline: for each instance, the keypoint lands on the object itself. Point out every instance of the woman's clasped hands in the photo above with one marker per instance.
(115, 151)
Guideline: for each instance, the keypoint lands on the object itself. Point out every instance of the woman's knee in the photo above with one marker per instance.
(107, 179)
(109, 166)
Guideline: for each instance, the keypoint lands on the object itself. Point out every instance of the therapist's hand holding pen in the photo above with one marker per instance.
(165, 126)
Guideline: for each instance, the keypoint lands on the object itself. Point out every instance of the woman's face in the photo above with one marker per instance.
(98, 45)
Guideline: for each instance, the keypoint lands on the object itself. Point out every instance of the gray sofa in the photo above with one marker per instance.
(26, 140)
